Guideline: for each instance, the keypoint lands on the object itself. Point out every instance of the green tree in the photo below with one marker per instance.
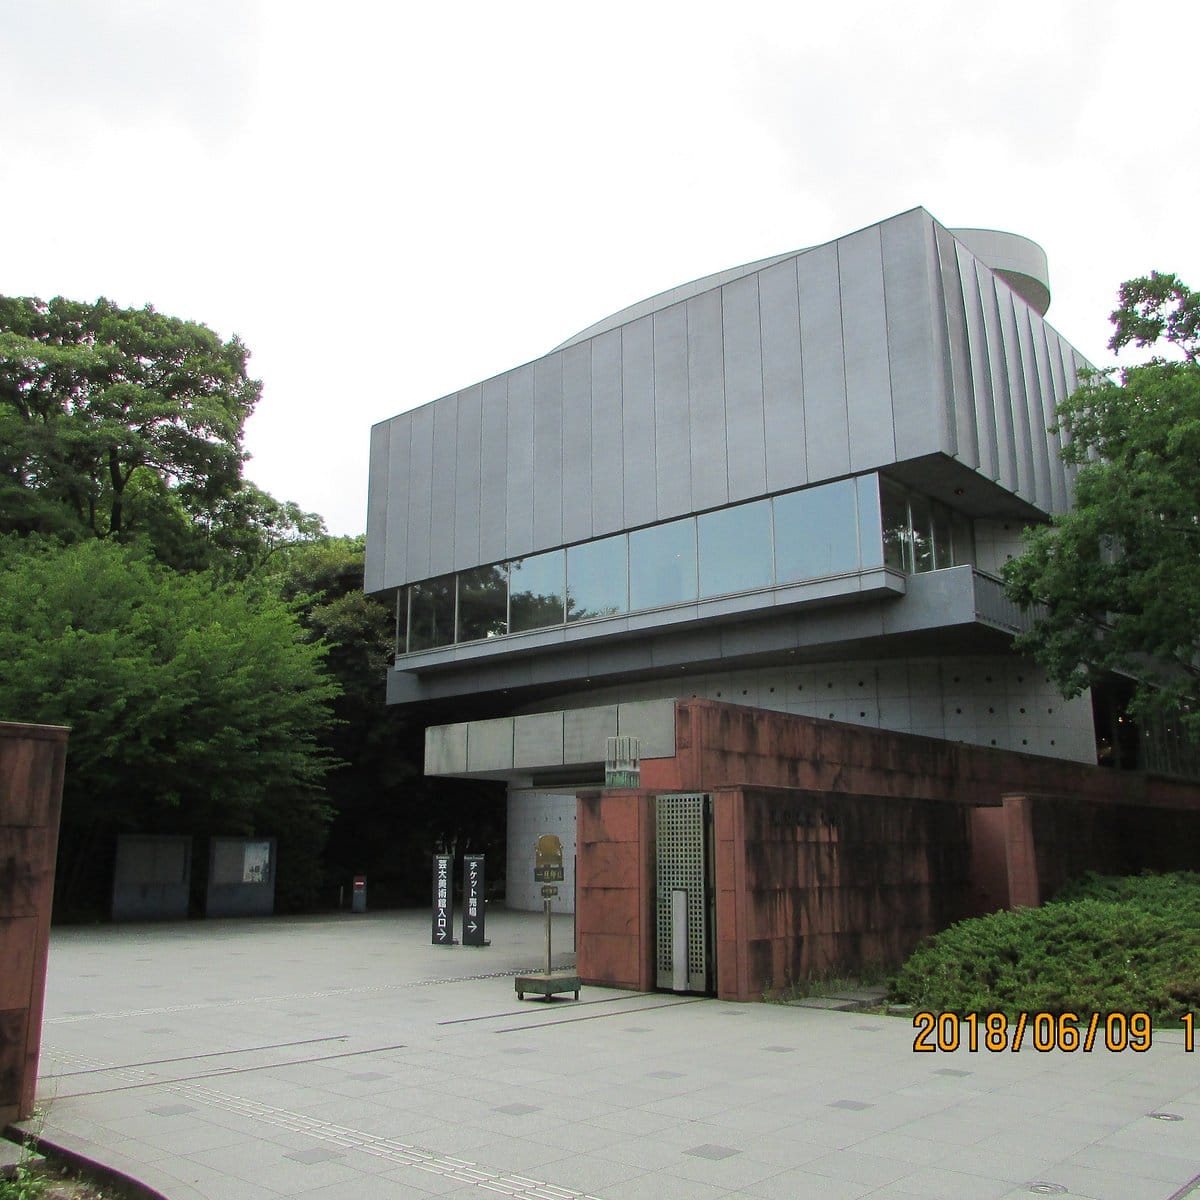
(388, 817)
(1119, 574)
(93, 396)
(195, 705)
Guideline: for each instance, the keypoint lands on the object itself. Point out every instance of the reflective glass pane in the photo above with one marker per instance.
(662, 565)
(735, 549)
(816, 532)
(596, 575)
(536, 586)
(897, 539)
(431, 614)
(921, 512)
(870, 523)
(482, 603)
(943, 548)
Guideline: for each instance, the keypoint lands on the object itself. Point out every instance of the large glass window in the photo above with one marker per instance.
(921, 514)
(431, 614)
(662, 565)
(596, 579)
(897, 537)
(536, 587)
(482, 603)
(735, 549)
(816, 532)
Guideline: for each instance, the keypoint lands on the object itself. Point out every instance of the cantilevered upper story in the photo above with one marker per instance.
(832, 448)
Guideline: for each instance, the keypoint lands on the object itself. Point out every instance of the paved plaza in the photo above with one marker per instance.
(346, 1058)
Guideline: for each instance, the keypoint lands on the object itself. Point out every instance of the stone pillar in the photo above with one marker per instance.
(32, 761)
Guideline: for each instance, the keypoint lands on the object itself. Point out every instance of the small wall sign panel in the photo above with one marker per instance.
(473, 882)
(443, 902)
(548, 859)
(548, 890)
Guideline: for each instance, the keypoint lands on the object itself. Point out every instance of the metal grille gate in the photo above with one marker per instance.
(682, 828)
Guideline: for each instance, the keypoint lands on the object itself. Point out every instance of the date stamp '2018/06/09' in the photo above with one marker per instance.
(1042, 1031)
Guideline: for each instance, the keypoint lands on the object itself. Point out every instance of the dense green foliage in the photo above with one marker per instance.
(1119, 574)
(122, 423)
(212, 650)
(1108, 945)
(388, 817)
(193, 704)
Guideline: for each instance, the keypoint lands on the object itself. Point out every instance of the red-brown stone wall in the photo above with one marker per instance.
(614, 888)
(810, 883)
(729, 744)
(32, 759)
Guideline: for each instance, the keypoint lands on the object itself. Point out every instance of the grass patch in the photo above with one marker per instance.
(1105, 944)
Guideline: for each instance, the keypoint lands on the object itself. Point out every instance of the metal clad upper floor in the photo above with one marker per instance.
(890, 344)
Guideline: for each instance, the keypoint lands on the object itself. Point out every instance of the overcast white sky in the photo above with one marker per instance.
(390, 201)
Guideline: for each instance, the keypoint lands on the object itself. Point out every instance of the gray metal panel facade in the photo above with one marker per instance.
(375, 569)
(547, 481)
(826, 424)
(918, 383)
(468, 459)
(672, 424)
(865, 345)
(445, 478)
(746, 454)
(608, 437)
(577, 443)
(493, 472)
(889, 344)
(706, 389)
(519, 480)
(783, 377)
(637, 422)
(981, 375)
(419, 482)
(960, 415)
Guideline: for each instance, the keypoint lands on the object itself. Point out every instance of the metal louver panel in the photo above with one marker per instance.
(680, 833)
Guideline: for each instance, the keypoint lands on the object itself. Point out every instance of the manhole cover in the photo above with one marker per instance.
(1048, 1189)
(1165, 1116)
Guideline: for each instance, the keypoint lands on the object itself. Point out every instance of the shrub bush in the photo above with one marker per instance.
(1104, 945)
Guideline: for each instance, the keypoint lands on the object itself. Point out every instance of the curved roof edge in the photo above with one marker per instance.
(1018, 260)
(685, 291)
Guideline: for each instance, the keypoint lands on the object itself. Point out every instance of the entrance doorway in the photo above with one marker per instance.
(685, 916)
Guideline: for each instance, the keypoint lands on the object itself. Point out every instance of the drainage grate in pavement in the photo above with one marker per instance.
(716, 1153)
(853, 1105)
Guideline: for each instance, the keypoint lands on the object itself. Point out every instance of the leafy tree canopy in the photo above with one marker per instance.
(122, 423)
(1119, 574)
(193, 704)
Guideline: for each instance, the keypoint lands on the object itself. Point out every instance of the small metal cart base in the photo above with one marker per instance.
(547, 984)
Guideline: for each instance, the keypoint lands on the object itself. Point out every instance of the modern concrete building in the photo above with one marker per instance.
(789, 485)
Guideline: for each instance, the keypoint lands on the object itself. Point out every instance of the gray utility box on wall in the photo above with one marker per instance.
(241, 877)
(152, 877)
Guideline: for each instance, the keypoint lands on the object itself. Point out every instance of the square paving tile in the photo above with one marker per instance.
(714, 1152)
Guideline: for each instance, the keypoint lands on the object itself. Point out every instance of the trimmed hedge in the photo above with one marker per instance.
(1105, 944)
